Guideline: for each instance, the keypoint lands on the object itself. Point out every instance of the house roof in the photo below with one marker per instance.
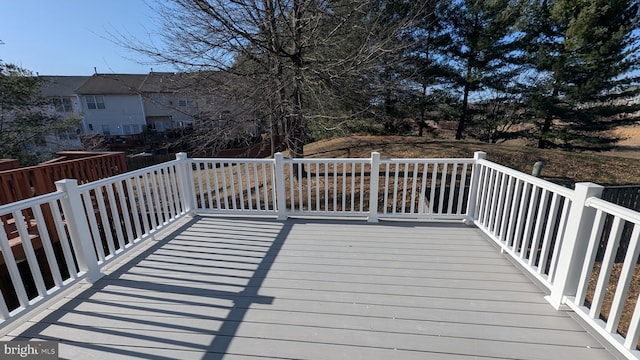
(112, 84)
(61, 85)
(201, 82)
(163, 82)
(154, 82)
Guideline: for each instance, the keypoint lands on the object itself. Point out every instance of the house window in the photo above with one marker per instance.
(158, 125)
(90, 127)
(182, 103)
(62, 104)
(94, 101)
(62, 135)
(157, 98)
(106, 130)
(129, 129)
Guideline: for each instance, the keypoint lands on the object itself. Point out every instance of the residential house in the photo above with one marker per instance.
(167, 101)
(112, 104)
(126, 104)
(65, 104)
(115, 109)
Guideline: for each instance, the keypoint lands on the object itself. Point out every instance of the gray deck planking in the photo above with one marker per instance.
(237, 288)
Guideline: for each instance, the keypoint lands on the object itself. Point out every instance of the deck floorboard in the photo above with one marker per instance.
(249, 288)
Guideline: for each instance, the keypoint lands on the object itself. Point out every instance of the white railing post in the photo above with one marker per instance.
(78, 227)
(281, 198)
(373, 187)
(473, 187)
(574, 244)
(186, 183)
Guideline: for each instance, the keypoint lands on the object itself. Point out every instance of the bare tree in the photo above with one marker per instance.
(288, 49)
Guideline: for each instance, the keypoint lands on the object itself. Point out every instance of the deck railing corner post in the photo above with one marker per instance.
(373, 187)
(473, 187)
(574, 244)
(186, 183)
(78, 227)
(281, 198)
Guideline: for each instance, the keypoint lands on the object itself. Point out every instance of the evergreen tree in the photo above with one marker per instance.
(25, 116)
(482, 49)
(426, 62)
(582, 53)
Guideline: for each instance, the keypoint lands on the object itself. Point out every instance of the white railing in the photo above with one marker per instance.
(234, 185)
(524, 215)
(610, 262)
(569, 240)
(50, 242)
(365, 187)
(435, 188)
(124, 209)
(327, 186)
(34, 242)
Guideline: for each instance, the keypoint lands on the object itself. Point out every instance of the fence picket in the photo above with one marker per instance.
(496, 222)
(526, 237)
(626, 275)
(559, 235)
(317, 186)
(134, 209)
(124, 205)
(13, 271)
(233, 181)
(45, 239)
(537, 232)
(452, 187)
(64, 240)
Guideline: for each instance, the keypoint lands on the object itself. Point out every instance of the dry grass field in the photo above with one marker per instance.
(560, 167)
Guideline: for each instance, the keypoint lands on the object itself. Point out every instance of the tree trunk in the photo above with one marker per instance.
(546, 126)
(548, 122)
(423, 110)
(462, 123)
(295, 133)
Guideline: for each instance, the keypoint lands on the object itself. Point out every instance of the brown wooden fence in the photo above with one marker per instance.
(23, 183)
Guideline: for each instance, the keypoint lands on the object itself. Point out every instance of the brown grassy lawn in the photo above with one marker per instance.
(561, 167)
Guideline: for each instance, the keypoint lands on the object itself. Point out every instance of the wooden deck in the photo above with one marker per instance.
(237, 288)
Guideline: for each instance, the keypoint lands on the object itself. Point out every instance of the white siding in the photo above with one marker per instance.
(119, 111)
(179, 108)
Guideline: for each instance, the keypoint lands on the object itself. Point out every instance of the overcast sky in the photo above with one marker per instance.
(70, 37)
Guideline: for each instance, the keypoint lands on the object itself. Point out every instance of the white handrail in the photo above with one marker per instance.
(29, 202)
(561, 190)
(615, 210)
(127, 175)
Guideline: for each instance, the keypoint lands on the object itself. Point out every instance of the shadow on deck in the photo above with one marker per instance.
(231, 288)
